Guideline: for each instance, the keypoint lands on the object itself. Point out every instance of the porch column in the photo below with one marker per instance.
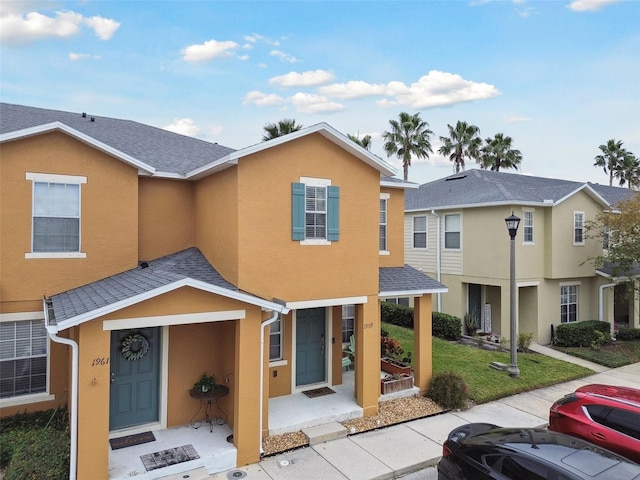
(422, 330)
(247, 431)
(93, 400)
(367, 376)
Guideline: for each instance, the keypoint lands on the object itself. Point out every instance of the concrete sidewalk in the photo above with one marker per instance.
(394, 451)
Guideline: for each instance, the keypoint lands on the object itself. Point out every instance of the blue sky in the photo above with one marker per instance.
(559, 77)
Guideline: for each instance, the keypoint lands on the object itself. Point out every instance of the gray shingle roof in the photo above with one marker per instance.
(164, 271)
(612, 195)
(474, 187)
(407, 279)
(165, 151)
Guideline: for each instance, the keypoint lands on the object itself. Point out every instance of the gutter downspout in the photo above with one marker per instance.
(263, 325)
(73, 460)
(438, 267)
(601, 304)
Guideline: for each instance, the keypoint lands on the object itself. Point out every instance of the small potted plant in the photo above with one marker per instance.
(205, 384)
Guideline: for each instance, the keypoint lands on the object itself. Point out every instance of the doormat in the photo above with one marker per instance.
(168, 457)
(131, 440)
(318, 392)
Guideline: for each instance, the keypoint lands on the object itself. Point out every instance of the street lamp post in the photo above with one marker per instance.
(512, 225)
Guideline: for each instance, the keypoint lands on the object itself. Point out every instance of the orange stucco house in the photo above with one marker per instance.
(134, 259)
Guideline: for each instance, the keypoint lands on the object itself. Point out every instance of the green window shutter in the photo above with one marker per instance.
(333, 213)
(297, 211)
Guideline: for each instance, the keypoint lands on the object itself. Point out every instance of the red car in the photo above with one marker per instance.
(602, 414)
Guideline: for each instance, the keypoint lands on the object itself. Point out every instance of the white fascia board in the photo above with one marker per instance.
(59, 126)
(324, 129)
(589, 190)
(480, 205)
(187, 282)
(402, 185)
(326, 302)
(411, 293)
(167, 320)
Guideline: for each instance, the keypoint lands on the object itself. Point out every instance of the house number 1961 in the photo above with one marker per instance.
(100, 361)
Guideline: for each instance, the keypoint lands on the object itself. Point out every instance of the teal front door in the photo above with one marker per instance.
(135, 367)
(310, 346)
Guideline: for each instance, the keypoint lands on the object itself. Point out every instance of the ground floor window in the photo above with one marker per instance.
(275, 340)
(348, 322)
(23, 358)
(568, 303)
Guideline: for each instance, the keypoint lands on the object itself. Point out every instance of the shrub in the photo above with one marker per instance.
(524, 341)
(446, 326)
(600, 339)
(448, 390)
(42, 454)
(580, 334)
(396, 314)
(628, 334)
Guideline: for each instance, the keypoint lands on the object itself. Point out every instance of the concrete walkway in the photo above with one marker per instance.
(394, 451)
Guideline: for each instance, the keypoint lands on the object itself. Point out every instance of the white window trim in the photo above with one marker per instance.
(533, 226)
(426, 233)
(571, 284)
(386, 197)
(444, 232)
(55, 178)
(33, 397)
(281, 335)
(573, 229)
(315, 182)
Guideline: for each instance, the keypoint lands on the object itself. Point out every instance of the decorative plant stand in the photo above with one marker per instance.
(390, 365)
(396, 383)
(207, 399)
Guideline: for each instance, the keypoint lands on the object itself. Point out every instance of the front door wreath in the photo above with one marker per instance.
(134, 346)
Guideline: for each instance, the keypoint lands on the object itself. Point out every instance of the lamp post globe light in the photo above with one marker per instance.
(513, 223)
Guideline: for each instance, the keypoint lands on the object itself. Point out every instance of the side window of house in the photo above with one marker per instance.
(382, 242)
(420, 232)
(275, 340)
(315, 211)
(578, 228)
(23, 358)
(568, 303)
(452, 231)
(55, 214)
(348, 322)
(528, 226)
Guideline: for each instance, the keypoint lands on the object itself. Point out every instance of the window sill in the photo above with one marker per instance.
(55, 255)
(315, 242)
(278, 363)
(384, 252)
(26, 399)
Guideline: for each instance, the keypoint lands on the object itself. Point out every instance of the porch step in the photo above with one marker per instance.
(324, 433)
(197, 474)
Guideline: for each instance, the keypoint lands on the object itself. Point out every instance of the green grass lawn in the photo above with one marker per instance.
(612, 355)
(486, 384)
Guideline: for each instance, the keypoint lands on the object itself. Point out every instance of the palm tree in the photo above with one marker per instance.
(284, 126)
(463, 141)
(364, 142)
(409, 136)
(612, 155)
(628, 170)
(497, 153)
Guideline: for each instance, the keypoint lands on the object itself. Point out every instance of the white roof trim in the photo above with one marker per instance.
(480, 205)
(61, 127)
(322, 128)
(589, 190)
(326, 302)
(187, 282)
(411, 293)
(401, 184)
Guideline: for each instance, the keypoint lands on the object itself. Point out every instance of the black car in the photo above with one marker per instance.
(479, 451)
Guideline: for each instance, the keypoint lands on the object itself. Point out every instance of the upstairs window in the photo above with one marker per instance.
(315, 211)
(420, 232)
(382, 223)
(55, 214)
(528, 226)
(568, 303)
(452, 231)
(578, 228)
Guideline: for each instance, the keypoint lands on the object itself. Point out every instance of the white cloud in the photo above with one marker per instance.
(104, 27)
(516, 119)
(262, 99)
(243, 57)
(304, 79)
(589, 5)
(285, 57)
(312, 103)
(183, 126)
(256, 38)
(82, 56)
(353, 89)
(20, 27)
(208, 51)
